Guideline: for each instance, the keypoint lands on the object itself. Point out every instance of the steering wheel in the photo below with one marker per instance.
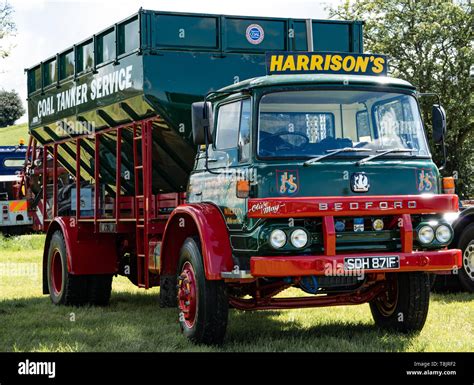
(286, 145)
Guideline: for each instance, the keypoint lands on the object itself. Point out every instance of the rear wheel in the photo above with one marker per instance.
(404, 305)
(99, 288)
(75, 290)
(203, 304)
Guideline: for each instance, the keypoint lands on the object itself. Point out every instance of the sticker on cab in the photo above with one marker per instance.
(287, 182)
(426, 181)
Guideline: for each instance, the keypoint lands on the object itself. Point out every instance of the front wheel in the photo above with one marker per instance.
(203, 304)
(403, 307)
(466, 244)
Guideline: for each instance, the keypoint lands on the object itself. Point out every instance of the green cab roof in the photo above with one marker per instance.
(317, 79)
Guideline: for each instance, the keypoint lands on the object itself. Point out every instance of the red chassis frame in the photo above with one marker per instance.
(90, 250)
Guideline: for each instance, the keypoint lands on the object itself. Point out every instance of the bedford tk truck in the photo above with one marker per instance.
(226, 159)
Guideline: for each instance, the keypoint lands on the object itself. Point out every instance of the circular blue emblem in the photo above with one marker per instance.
(254, 34)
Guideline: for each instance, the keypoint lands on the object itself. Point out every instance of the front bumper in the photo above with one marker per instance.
(295, 266)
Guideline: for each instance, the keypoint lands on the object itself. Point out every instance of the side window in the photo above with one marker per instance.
(244, 132)
(396, 123)
(228, 125)
(363, 127)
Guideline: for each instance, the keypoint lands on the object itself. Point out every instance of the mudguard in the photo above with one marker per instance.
(87, 252)
(202, 220)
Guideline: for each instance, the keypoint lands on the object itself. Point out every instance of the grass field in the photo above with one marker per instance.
(134, 321)
(12, 134)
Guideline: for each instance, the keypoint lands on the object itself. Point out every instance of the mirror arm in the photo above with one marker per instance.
(431, 94)
(445, 161)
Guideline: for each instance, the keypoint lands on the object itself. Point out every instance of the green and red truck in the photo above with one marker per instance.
(226, 159)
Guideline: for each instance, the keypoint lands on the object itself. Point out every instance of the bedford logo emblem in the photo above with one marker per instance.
(360, 182)
(254, 34)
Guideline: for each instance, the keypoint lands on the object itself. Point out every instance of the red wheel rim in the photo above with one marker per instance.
(56, 272)
(187, 295)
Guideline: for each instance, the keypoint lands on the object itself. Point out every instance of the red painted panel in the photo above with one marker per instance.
(406, 233)
(208, 223)
(329, 236)
(87, 253)
(351, 206)
(272, 266)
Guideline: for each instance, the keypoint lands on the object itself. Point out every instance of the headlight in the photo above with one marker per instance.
(277, 239)
(299, 238)
(426, 234)
(443, 234)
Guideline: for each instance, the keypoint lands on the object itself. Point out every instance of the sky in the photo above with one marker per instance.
(46, 27)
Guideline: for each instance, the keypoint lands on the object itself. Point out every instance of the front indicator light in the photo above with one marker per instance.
(426, 235)
(443, 234)
(277, 239)
(299, 238)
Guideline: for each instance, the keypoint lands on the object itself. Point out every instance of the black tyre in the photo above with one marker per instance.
(168, 291)
(74, 290)
(99, 288)
(203, 304)
(466, 272)
(404, 306)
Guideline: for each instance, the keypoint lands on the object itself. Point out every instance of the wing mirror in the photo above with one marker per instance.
(439, 123)
(202, 122)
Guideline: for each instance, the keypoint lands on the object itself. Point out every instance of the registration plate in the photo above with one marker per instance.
(372, 263)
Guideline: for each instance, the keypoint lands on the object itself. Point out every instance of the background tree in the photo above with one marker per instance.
(7, 27)
(430, 44)
(11, 108)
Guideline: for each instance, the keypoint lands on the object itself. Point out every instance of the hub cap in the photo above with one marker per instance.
(387, 301)
(468, 260)
(187, 295)
(56, 272)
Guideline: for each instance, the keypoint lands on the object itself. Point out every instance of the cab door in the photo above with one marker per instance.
(228, 161)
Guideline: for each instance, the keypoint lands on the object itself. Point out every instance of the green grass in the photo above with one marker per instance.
(11, 135)
(134, 321)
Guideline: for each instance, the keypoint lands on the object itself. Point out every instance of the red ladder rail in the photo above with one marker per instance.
(143, 165)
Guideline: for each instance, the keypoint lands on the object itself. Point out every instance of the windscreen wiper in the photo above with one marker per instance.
(382, 153)
(334, 152)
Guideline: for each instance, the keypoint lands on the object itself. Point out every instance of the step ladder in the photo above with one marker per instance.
(142, 160)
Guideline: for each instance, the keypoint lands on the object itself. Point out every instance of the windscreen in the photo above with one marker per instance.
(312, 123)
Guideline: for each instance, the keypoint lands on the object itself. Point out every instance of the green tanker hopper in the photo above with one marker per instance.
(157, 64)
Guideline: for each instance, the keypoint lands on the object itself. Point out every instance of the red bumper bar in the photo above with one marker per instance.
(301, 207)
(278, 266)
